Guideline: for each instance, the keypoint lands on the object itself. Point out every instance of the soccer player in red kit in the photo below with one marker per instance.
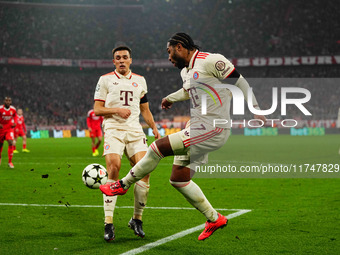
(94, 125)
(20, 130)
(8, 118)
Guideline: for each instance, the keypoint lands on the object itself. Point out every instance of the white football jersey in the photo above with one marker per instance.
(119, 91)
(204, 71)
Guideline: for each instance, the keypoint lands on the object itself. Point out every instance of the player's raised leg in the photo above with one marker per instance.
(145, 166)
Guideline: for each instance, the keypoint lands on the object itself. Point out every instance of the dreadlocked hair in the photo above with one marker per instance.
(183, 39)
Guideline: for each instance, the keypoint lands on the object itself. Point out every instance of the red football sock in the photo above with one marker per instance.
(93, 149)
(24, 146)
(10, 153)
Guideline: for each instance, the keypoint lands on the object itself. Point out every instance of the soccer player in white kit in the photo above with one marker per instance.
(120, 97)
(201, 71)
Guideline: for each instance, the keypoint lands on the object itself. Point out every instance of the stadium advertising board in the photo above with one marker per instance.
(307, 131)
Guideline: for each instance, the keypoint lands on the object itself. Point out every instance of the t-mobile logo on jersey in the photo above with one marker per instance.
(125, 96)
(194, 96)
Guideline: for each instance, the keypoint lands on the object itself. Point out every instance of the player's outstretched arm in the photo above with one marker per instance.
(165, 104)
(100, 110)
(179, 95)
(244, 86)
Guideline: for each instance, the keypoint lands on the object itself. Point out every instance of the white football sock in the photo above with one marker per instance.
(109, 206)
(193, 193)
(145, 166)
(141, 191)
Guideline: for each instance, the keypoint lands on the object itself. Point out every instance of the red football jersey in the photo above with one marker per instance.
(8, 117)
(94, 121)
(20, 123)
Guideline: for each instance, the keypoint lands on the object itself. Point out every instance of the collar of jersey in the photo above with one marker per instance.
(192, 60)
(128, 76)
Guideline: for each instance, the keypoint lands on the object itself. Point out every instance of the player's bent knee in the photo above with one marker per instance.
(164, 146)
(178, 185)
(180, 174)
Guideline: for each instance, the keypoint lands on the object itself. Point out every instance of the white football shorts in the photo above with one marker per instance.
(197, 141)
(122, 141)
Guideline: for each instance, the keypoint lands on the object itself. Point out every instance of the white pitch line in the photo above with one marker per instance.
(122, 207)
(177, 235)
(156, 243)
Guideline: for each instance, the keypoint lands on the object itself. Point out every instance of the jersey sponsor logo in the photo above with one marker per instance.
(195, 76)
(115, 83)
(125, 96)
(193, 95)
(135, 84)
(220, 65)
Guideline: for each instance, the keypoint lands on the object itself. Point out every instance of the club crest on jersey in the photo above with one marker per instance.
(220, 65)
(107, 147)
(135, 84)
(196, 75)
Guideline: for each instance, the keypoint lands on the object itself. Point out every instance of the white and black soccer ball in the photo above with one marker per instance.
(94, 175)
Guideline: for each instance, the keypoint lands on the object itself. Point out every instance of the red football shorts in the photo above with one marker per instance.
(6, 134)
(18, 132)
(96, 133)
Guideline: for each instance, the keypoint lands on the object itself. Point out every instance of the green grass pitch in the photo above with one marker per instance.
(288, 215)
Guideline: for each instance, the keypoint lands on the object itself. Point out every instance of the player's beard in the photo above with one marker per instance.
(180, 62)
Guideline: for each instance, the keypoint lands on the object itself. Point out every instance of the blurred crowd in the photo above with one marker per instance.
(235, 28)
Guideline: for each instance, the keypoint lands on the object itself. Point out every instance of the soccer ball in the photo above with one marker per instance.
(94, 175)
